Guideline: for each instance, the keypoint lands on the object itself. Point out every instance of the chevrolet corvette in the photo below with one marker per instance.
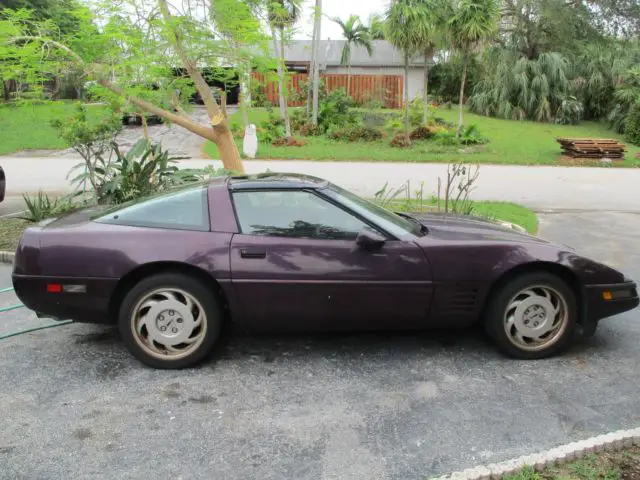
(288, 252)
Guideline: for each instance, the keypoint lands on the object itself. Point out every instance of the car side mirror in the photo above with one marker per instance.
(369, 239)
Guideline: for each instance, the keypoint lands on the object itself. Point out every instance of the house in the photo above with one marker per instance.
(385, 60)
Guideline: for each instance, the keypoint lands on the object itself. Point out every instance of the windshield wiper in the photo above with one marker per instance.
(423, 229)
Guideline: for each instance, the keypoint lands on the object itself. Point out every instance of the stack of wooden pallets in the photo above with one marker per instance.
(592, 148)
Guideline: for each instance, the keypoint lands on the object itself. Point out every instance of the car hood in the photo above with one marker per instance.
(469, 228)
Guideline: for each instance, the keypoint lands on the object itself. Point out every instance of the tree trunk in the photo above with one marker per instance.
(349, 78)
(461, 100)
(276, 52)
(228, 149)
(406, 98)
(310, 75)
(310, 85)
(425, 93)
(316, 70)
(145, 127)
(245, 94)
(284, 90)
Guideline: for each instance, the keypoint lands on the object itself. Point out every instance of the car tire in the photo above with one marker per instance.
(537, 304)
(170, 320)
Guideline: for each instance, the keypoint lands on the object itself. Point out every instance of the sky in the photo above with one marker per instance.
(336, 8)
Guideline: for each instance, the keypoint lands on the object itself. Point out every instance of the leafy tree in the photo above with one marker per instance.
(134, 58)
(632, 126)
(355, 34)
(403, 20)
(517, 88)
(376, 27)
(597, 71)
(430, 32)
(627, 96)
(534, 27)
(471, 23)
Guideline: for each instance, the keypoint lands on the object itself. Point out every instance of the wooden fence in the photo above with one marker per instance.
(385, 90)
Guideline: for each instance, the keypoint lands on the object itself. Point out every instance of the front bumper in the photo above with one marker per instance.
(606, 300)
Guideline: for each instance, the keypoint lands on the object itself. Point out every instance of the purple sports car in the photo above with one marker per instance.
(283, 252)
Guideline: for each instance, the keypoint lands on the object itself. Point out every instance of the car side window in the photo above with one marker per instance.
(181, 210)
(293, 214)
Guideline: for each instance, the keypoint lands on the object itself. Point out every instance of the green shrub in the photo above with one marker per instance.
(41, 207)
(356, 133)
(421, 133)
(569, 112)
(416, 112)
(336, 111)
(632, 127)
(309, 130)
(400, 142)
(375, 119)
(271, 129)
(470, 135)
(446, 138)
(297, 119)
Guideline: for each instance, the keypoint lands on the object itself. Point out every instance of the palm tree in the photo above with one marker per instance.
(403, 20)
(355, 34)
(282, 14)
(376, 27)
(429, 28)
(471, 23)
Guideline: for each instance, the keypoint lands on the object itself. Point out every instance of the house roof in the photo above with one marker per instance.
(383, 55)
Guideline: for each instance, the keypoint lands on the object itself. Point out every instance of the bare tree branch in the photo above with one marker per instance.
(201, 85)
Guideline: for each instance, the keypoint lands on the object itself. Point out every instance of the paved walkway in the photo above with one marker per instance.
(538, 187)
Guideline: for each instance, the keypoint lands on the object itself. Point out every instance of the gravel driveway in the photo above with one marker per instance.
(76, 405)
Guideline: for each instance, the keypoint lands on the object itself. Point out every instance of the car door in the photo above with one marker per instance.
(296, 266)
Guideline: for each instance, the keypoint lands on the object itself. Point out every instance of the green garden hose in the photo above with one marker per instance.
(29, 330)
(11, 307)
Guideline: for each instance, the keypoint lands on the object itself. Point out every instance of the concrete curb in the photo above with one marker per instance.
(7, 257)
(570, 452)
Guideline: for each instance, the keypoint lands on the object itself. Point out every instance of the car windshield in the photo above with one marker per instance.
(392, 222)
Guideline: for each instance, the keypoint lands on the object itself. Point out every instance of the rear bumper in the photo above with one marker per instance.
(606, 300)
(81, 299)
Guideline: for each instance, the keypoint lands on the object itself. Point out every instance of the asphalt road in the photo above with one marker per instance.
(74, 404)
(536, 187)
(11, 205)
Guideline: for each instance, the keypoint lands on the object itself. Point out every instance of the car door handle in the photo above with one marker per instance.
(253, 253)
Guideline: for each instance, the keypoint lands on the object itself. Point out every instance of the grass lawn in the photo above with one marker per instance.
(10, 232)
(28, 127)
(603, 466)
(511, 142)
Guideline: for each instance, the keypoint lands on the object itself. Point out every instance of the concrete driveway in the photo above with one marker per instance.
(76, 405)
(536, 187)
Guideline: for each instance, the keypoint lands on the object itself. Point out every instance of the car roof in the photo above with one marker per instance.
(275, 181)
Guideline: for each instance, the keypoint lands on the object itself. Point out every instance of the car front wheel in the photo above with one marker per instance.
(532, 316)
(170, 321)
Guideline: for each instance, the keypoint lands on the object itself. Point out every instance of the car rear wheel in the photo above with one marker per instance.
(532, 316)
(170, 321)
